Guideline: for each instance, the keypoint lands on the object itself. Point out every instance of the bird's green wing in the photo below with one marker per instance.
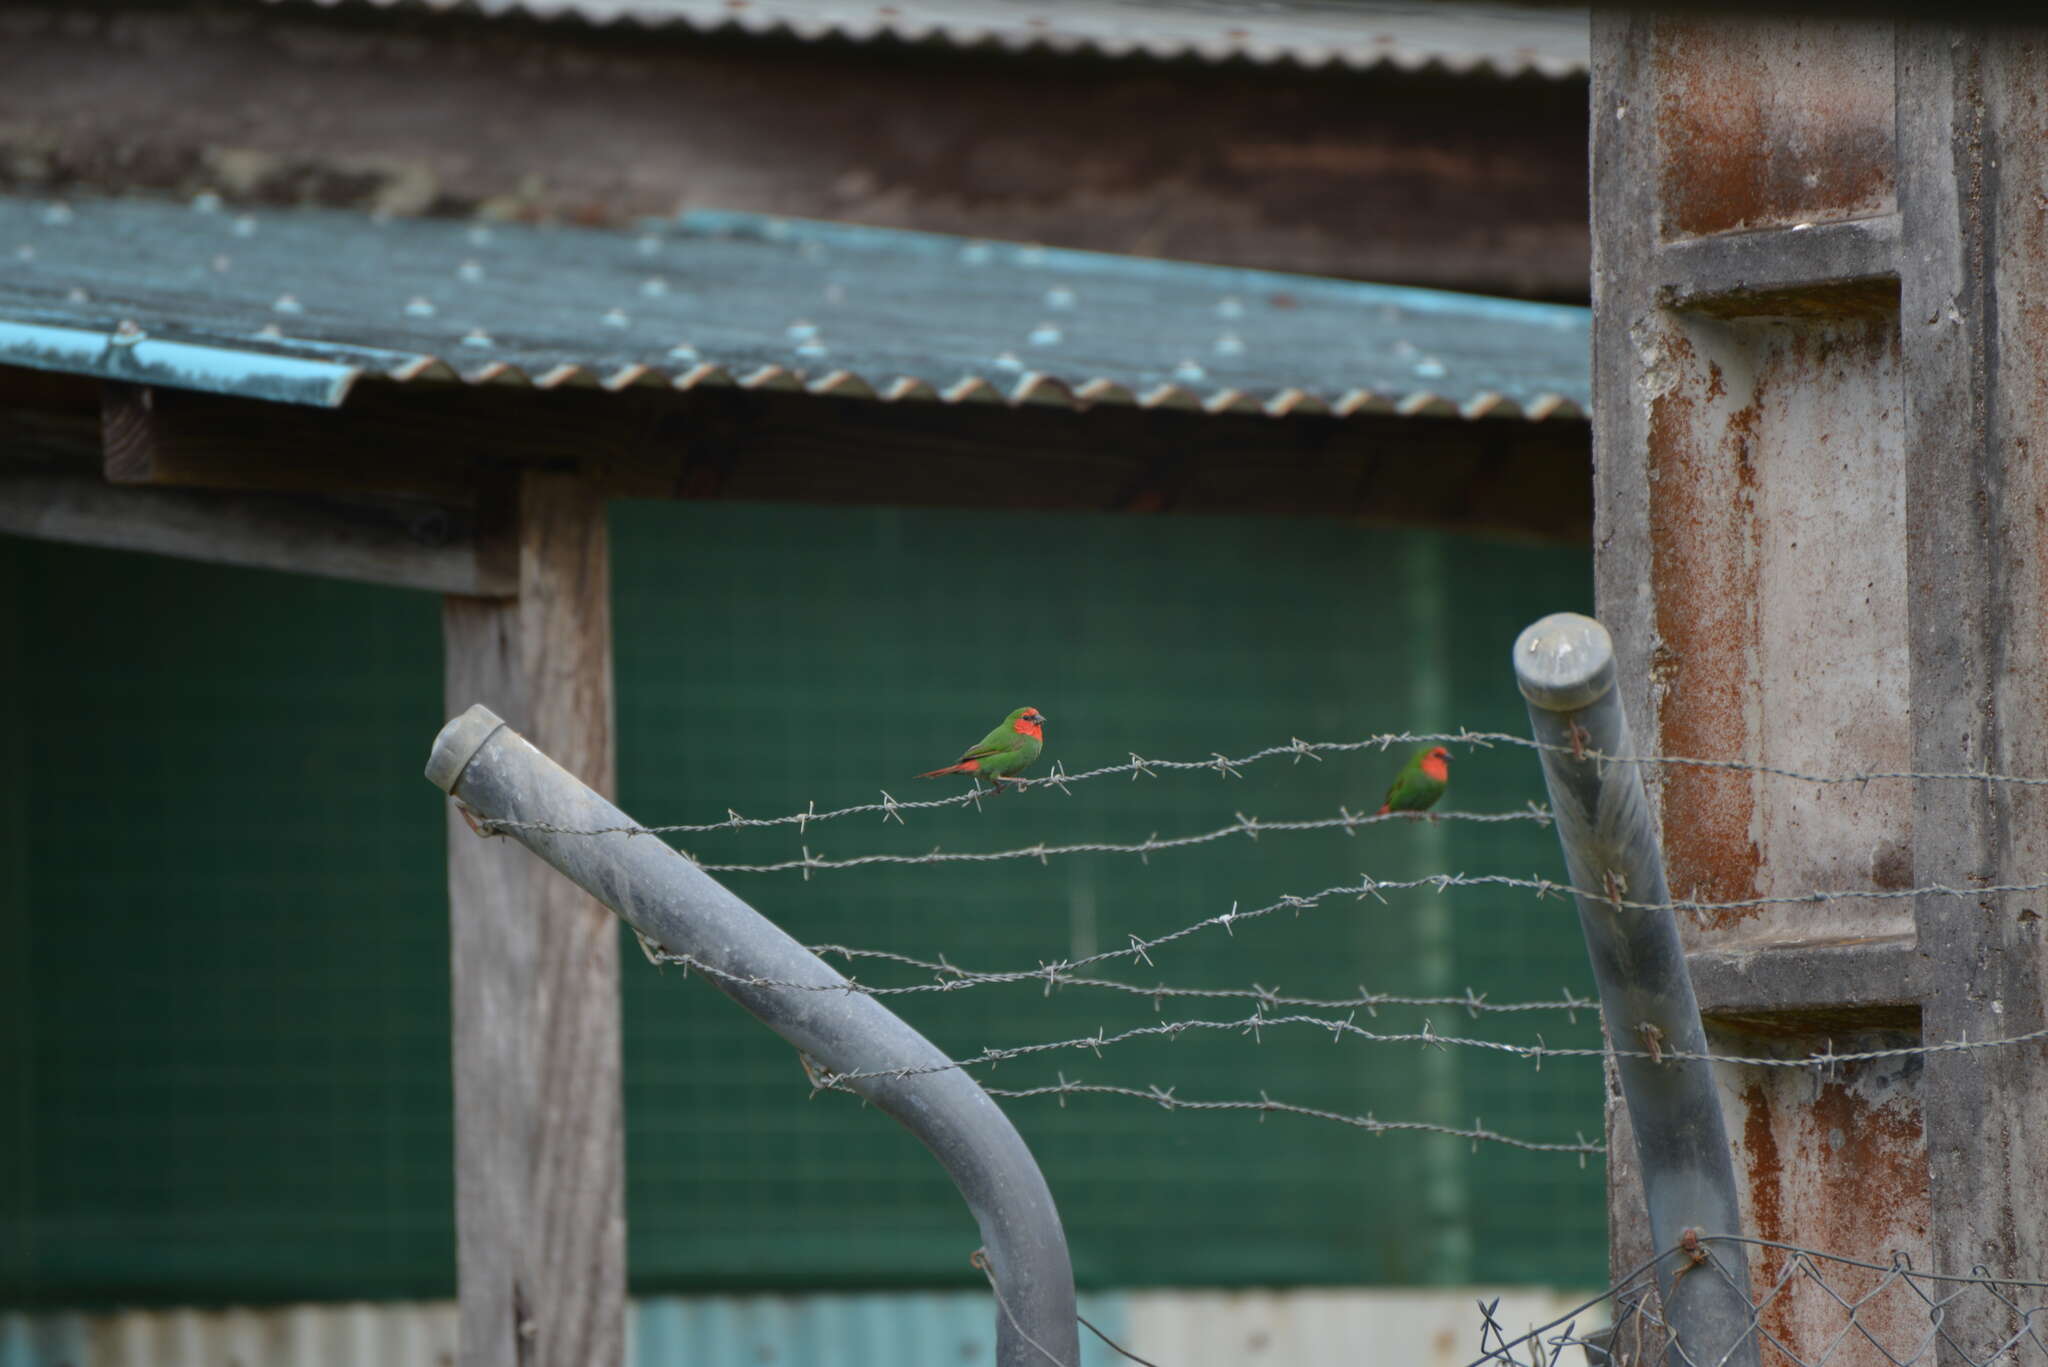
(997, 742)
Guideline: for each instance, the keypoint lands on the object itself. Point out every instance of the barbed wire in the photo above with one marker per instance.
(1137, 767)
(1164, 1097)
(1469, 1001)
(1778, 771)
(1062, 972)
(890, 808)
(1826, 1060)
(1348, 821)
(1255, 1024)
(1057, 972)
(1340, 1028)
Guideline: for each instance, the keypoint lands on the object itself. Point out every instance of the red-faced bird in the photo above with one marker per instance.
(1004, 752)
(1420, 783)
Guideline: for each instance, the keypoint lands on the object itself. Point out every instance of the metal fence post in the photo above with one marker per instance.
(500, 776)
(1565, 665)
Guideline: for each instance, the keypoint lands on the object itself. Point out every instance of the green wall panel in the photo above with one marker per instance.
(223, 977)
(770, 657)
(221, 914)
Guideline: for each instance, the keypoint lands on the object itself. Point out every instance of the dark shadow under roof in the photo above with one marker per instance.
(296, 305)
(1478, 36)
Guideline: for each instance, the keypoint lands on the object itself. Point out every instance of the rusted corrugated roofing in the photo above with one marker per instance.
(1454, 35)
(297, 304)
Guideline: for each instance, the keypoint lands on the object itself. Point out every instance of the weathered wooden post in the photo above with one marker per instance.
(540, 1222)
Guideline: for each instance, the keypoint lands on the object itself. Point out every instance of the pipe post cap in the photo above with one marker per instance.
(457, 745)
(1564, 662)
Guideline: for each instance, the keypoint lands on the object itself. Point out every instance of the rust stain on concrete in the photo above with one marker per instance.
(1766, 1168)
(1704, 592)
(1777, 573)
(1845, 1161)
(1772, 123)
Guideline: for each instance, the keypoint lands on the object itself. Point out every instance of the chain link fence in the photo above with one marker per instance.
(1809, 1309)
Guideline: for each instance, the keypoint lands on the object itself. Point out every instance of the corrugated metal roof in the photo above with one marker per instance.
(1309, 1327)
(888, 1329)
(295, 305)
(1453, 35)
(1339, 1326)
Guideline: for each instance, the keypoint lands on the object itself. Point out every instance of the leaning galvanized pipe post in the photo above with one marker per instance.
(496, 773)
(1565, 665)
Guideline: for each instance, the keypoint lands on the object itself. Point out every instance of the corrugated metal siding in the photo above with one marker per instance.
(1318, 1328)
(1327, 1327)
(292, 305)
(399, 1334)
(939, 1328)
(1456, 35)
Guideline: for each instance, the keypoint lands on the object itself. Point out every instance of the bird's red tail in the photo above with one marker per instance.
(1385, 808)
(965, 766)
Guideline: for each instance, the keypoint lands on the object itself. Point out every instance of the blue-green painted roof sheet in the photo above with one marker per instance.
(295, 305)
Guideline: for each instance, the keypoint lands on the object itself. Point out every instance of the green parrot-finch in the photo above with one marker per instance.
(1004, 752)
(1420, 783)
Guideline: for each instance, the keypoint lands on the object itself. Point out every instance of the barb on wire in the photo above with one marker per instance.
(1471, 1002)
(1137, 766)
(891, 809)
(1052, 975)
(1056, 973)
(1164, 1097)
(1338, 1027)
(1826, 780)
(1061, 972)
(1251, 826)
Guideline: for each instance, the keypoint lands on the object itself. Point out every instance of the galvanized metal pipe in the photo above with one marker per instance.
(1565, 665)
(500, 776)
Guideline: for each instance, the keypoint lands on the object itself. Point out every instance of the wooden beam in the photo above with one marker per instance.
(403, 543)
(539, 1150)
(181, 437)
(1502, 475)
(1460, 182)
